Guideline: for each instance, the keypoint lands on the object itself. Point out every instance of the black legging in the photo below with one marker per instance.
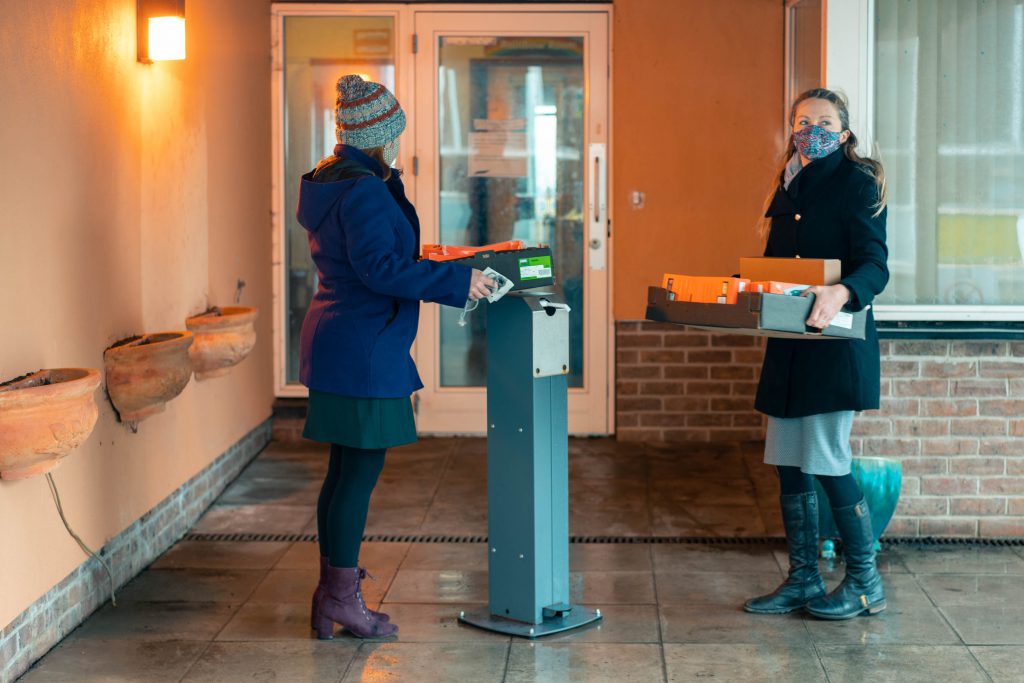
(842, 491)
(344, 501)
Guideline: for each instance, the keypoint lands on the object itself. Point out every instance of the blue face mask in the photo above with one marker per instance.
(814, 142)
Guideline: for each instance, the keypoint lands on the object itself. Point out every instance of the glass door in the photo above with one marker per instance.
(511, 122)
(313, 47)
(508, 109)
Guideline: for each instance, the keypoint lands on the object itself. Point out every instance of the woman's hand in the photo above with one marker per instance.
(480, 285)
(828, 300)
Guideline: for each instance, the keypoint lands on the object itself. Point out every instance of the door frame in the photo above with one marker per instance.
(405, 69)
(444, 410)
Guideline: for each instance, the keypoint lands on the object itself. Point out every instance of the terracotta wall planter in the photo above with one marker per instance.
(224, 336)
(143, 373)
(43, 417)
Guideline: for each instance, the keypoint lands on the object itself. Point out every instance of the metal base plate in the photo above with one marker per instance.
(482, 618)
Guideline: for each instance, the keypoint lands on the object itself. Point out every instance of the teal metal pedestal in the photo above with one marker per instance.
(528, 469)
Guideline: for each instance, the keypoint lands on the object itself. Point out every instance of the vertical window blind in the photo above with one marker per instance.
(949, 122)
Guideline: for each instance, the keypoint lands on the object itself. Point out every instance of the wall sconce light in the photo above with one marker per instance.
(160, 30)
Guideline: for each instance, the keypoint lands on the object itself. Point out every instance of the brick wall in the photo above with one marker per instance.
(289, 419)
(952, 412)
(57, 613)
(676, 384)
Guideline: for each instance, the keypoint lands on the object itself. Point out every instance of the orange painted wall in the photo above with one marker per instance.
(133, 196)
(697, 120)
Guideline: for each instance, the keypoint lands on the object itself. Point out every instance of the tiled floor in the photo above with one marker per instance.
(238, 611)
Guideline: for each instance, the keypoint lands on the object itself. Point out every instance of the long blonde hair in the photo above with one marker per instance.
(376, 153)
(869, 165)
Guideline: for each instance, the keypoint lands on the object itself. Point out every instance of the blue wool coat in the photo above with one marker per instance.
(364, 239)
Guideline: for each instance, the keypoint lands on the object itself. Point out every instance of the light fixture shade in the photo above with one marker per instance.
(166, 38)
(160, 30)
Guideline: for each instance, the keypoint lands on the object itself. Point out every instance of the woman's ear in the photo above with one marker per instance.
(843, 137)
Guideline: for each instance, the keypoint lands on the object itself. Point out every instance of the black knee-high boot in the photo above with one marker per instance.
(800, 517)
(861, 591)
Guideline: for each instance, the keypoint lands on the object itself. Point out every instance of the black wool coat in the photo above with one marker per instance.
(827, 212)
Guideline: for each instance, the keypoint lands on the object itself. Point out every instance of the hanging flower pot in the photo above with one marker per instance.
(143, 373)
(223, 337)
(43, 417)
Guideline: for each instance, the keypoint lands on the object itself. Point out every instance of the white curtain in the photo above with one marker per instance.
(950, 127)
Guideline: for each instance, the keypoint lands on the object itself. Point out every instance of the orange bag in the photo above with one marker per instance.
(445, 252)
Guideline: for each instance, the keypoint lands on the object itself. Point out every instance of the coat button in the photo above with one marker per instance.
(797, 217)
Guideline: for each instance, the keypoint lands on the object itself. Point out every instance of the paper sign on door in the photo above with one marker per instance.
(498, 153)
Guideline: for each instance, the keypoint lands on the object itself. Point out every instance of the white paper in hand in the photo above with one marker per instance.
(504, 284)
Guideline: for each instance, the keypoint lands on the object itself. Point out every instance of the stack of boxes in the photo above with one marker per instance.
(764, 299)
(788, 276)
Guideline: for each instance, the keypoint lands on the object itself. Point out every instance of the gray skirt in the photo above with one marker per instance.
(817, 444)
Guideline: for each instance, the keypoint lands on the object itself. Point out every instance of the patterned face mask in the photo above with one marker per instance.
(814, 142)
(391, 152)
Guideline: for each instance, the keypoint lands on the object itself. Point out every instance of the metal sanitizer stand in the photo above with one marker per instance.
(528, 468)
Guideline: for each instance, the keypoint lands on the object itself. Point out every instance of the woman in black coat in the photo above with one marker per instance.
(829, 203)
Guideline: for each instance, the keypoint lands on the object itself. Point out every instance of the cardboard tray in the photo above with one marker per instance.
(524, 267)
(763, 315)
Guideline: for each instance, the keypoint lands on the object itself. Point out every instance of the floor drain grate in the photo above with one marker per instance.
(608, 540)
(967, 542)
(250, 538)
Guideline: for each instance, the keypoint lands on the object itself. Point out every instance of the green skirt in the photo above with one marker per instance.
(369, 423)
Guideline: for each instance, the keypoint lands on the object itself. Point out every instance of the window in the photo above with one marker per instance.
(949, 120)
(938, 86)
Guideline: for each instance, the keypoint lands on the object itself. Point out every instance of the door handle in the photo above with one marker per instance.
(597, 209)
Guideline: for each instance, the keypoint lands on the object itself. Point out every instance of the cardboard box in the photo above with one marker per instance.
(765, 315)
(802, 271)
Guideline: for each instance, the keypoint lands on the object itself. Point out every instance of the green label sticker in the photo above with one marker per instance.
(534, 268)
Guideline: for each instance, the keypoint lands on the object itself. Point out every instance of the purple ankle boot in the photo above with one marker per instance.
(319, 592)
(379, 616)
(341, 602)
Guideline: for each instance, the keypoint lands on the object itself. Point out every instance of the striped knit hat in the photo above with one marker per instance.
(366, 114)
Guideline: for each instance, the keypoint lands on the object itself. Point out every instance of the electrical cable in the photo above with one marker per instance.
(81, 543)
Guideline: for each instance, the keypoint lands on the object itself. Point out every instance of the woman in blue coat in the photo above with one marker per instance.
(829, 203)
(355, 341)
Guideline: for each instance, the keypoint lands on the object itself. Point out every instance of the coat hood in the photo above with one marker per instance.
(317, 198)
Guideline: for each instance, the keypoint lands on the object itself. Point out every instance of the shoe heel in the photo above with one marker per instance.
(876, 608)
(314, 606)
(324, 627)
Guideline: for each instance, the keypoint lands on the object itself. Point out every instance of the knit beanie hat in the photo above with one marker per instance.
(366, 114)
